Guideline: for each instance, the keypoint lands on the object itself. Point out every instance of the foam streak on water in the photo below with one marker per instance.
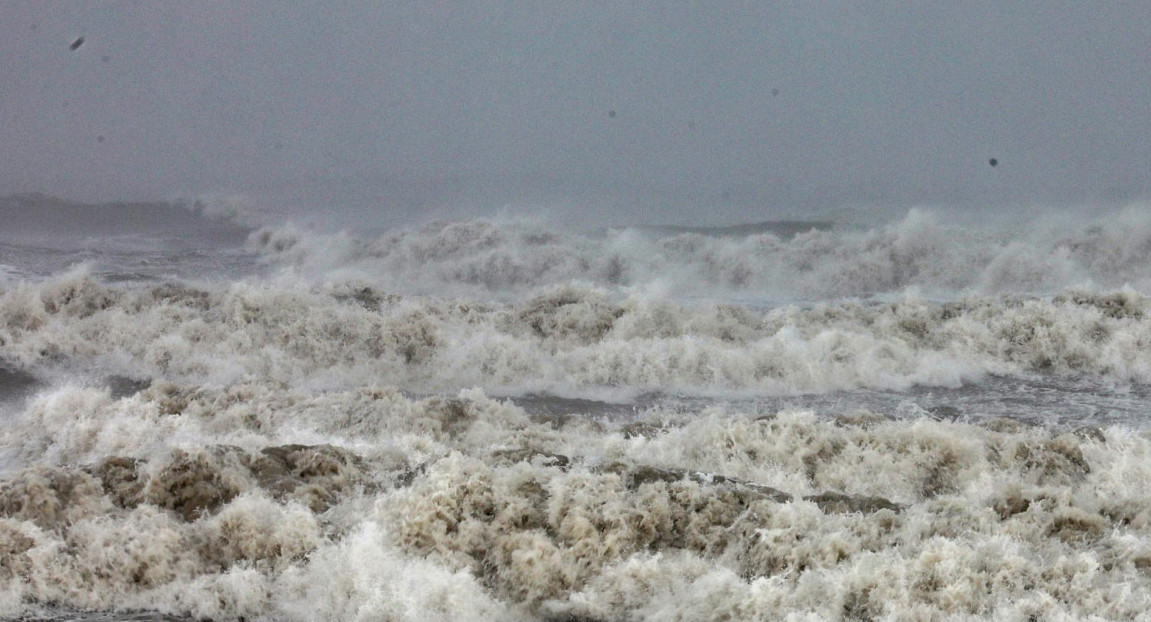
(491, 420)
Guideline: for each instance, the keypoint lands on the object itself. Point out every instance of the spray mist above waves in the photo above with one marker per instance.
(940, 255)
(788, 262)
(568, 340)
(518, 306)
(267, 453)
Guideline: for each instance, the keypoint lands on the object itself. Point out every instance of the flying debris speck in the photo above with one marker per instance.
(611, 114)
(774, 92)
(993, 162)
(76, 44)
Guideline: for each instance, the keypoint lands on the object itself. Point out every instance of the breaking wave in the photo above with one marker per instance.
(259, 501)
(482, 258)
(498, 420)
(566, 340)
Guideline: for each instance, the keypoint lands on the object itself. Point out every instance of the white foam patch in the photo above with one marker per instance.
(276, 459)
(365, 578)
(569, 339)
(508, 258)
(259, 501)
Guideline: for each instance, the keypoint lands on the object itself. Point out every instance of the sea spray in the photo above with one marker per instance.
(507, 420)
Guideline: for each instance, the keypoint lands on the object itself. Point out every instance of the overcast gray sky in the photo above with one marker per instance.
(732, 110)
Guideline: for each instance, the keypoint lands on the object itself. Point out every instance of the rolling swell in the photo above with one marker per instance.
(146, 241)
(39, 216)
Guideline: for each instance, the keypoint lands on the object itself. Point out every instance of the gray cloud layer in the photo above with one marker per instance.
(733, 107)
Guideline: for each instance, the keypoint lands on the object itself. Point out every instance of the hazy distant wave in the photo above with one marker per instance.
(42, 235)
(39, 215)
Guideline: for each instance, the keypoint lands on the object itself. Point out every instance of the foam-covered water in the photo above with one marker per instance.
(506, 420)
(788, 262)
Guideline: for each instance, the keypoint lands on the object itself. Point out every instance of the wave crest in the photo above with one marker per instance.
(565, 339)
(480, 258)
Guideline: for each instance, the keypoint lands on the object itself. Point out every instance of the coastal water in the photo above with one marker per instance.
(206, 416)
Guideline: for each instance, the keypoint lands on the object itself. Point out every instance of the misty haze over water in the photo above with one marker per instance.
(593, 311)
(624, 112)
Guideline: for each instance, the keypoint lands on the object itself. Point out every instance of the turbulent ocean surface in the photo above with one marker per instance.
(208, 417)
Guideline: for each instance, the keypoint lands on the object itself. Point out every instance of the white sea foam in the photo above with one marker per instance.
(565, 340)
(311, 445)
(194, 501)
(503, 258)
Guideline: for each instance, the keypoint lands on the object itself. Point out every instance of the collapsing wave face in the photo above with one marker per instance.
(568, 339)
(505, 258)
(310, 446)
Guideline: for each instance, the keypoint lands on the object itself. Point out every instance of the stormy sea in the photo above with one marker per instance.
(206, 415)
